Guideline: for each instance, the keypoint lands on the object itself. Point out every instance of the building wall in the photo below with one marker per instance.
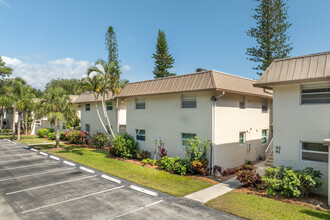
(230, 120)
(164, 118)
(294, 123)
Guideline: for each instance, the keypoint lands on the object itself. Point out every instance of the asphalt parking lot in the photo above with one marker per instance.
(35, 185)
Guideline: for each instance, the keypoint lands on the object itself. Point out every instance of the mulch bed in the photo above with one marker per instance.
(314, 201)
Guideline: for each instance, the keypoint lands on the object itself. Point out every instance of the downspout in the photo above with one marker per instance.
(117, 115)
(214, 102)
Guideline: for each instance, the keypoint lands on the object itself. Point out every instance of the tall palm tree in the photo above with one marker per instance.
(5, 103)
(109, 82)
(57, 106)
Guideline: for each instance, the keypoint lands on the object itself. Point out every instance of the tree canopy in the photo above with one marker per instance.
(4, 70)
(112, 47)
(70, 86)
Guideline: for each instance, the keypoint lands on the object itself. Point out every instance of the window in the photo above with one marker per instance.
(241, 137)
(185, 137)
(242, 101)
(315, 152)
(264, 136)
(109, 106)
(188, 101)
(88, 107)
(140, 103)
(87, 128)
(264, 106)
(315, 93)
(140, 134)
(64, 125)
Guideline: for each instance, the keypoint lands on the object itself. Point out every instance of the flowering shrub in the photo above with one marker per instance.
(196, 149)
(63, 136)
(100, 140)
(76, 137)
(174, 165)
(248, 177)
(162, 152)
(125, 146)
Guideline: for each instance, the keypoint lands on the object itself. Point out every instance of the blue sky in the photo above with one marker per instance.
(44, 39)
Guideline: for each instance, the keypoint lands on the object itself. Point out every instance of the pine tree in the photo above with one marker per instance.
(112, 47)
(163, 60)
(4, 70)
(270, 33)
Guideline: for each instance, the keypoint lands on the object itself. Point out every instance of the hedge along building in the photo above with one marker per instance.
(226, 109)
(301, 103)
(90, 122)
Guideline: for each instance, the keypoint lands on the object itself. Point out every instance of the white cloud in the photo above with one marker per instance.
(127, 68)
(3, 2)
(38, 75)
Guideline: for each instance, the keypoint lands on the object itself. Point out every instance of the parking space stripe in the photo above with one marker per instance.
(17, 155)
(34, 165)
(35, 174)
(135, 210)
(73, 199)
(4, 161)
(52, 184)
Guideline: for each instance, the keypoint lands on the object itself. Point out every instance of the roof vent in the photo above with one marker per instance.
(200, 70)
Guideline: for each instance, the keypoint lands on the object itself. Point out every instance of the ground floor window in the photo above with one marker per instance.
(185, 137)
(64, 125)
(264, 136)
(241, 137)
(140, 134)
(315, 152)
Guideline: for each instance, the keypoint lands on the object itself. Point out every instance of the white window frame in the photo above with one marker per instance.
(241, 100)
(88, 106)
(109, 106)
(140, 99)
(183, 96)
(315, 85)
(267, 135)
(142, 135)
(309, 151)
(244, 137)
(183, 140)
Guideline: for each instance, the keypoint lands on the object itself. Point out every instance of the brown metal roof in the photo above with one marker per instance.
(307, 68)
(89, 97)
(207, 80)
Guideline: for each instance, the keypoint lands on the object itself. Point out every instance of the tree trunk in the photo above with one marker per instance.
(1, 119)
(106, 115)
(26, 122)
(19, 127)
(98, 114)
(14, 118)
(57, 134)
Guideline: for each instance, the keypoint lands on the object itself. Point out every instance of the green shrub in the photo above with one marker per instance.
(150, 162)
(63, 136)
(199, 167)
(196, 149)
(76, 137)
(248, 177)
(5, 131)
(174, 165)
(125, 146)
(51, 136)
(291, 183)
(143, 154)
(43, 132)
(100, 140)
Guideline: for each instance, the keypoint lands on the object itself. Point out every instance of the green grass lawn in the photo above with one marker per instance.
(159, 180)
(256, 207)
(33, 140)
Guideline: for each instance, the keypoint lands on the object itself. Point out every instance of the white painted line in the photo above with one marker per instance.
(19, 160)
(53, 157)
(53, 184)
(33, 149)
(69, 163)
(17, 155)
(35, 174)
(111, 179)
(70, 200)
(43, 153)
(135, 210)
(86, 169)
(34, 165)
(143, 190)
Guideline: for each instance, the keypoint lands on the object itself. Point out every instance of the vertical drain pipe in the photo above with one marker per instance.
(214, 102)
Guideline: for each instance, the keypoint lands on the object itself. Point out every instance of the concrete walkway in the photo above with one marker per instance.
(220, 189)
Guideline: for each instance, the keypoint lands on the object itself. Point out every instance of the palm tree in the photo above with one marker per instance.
(57, 106)
(5, 103)
(109, 82)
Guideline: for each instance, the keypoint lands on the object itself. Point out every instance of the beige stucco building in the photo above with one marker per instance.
(225, 109)
(301, 103)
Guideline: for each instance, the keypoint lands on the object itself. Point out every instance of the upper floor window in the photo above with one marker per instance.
(242, 101)
(315, 93)
(188, 101)
(264, 105)
(264, 136)
(109, 106)
(315, 152)
(241, 137)
(140, 103)
(185, 137)
(88, 107)
(140, 134)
